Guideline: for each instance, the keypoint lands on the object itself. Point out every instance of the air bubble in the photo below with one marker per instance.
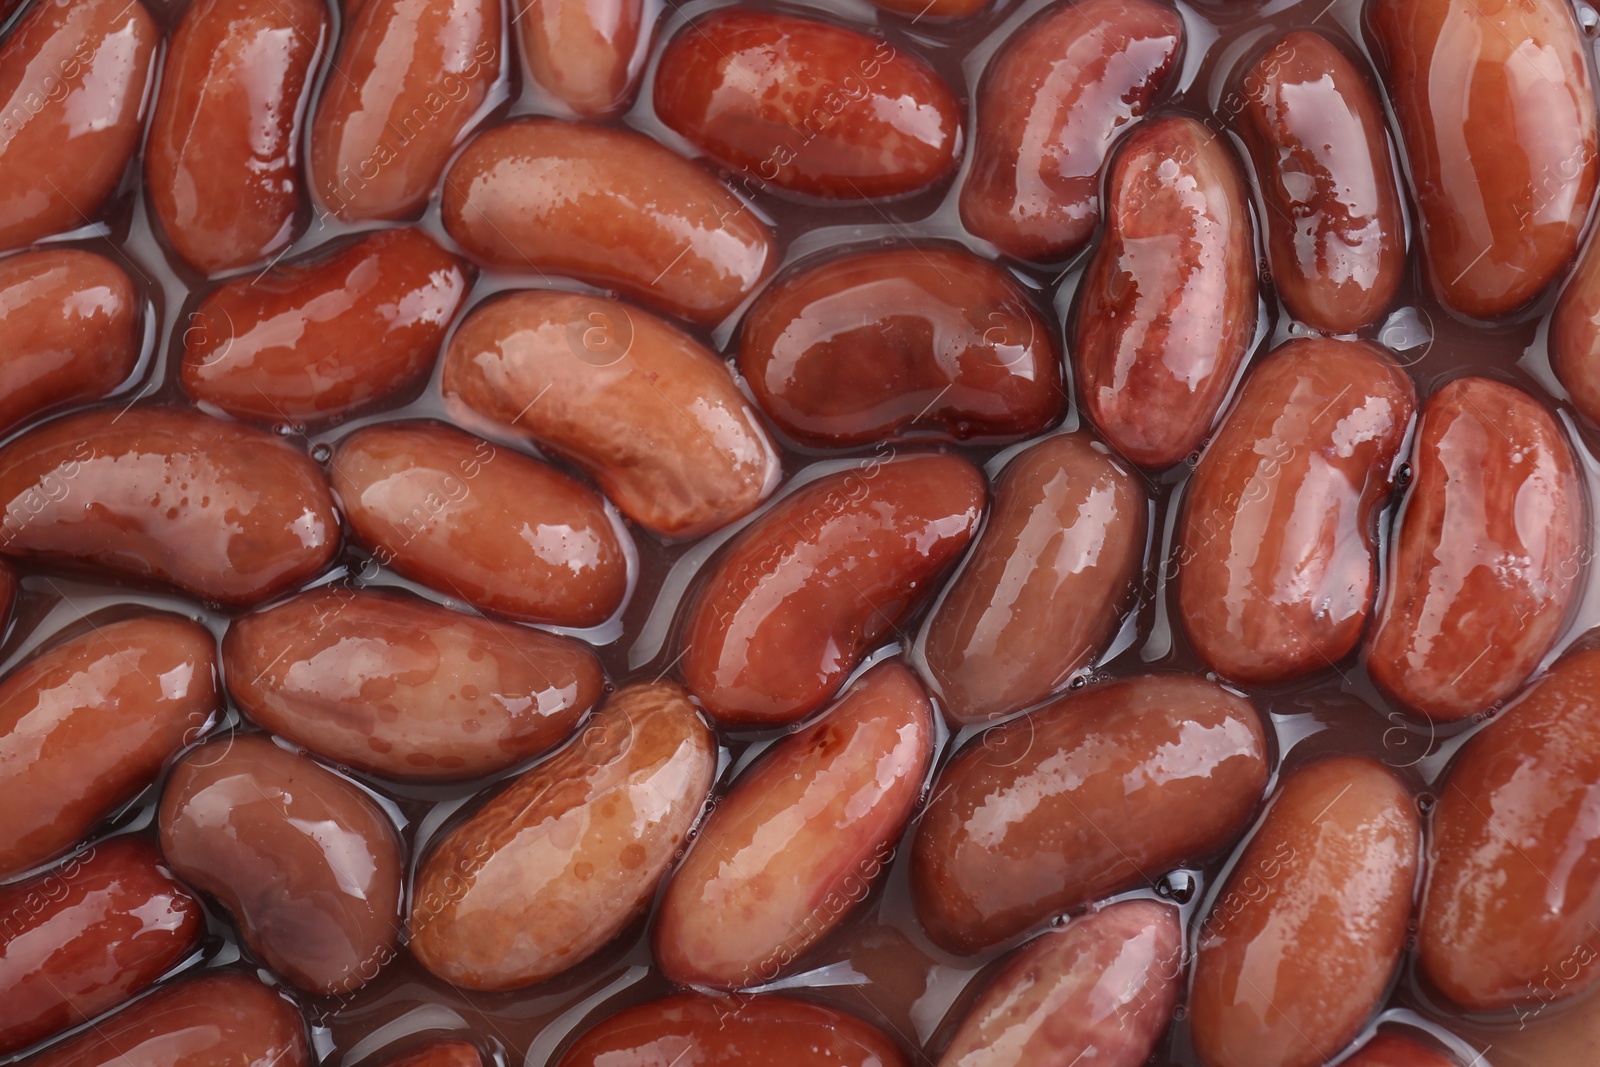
(1176, 886)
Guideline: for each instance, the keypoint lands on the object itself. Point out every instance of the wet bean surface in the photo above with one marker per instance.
(877, 963)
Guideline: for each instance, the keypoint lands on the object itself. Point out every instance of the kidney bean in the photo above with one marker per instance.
(1297, 951)
(326, 337)
(802, 594)
(1045, 588)
(1335, 226)
(87, 722)
(932, 9)
(554, 867)
(504, 532)
(414, 76)
(69, 331)
(1101, 988)
(797, 843)
(1388, 1049)
(810, 107)
(222, 169)
(440, 1054)
(1510, 911)
(399, 687)
(220, 1018)
(1487, 548)
(308, 865)
(1063, 88)
(82, 938)
(1277, 552)
(1575, 335)
(586, 53)
(1081, 799)
(73, 79)
(1498, 120)
(870, 346)
(610, 207)
(651, 413)
(220, 510)
(1167, 307)
(734, 1031)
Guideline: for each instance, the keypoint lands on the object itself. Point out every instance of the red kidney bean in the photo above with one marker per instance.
(69, 331)
(412, 77)
(1045, 588)
(585, 53)
(87, 723)
(1063, 88)
(553, 868)
(82, 938)
(210, 1021)
(1498, 119)
(1298, 949)
(871, 346)
(797, 843)
(610, 207)
(222, 168)
(1081, 799)
(1575, 335)
(810, 107)
(308, 865)
(651, 413)
(933, 9)
(733, 1032)
(73, 79)
(223, 511)
(1277, 561)
(399, 687)
(326, 337)
(1395, 1050)
(500, 530)
(1102, 989)
(1510, 911)
(1166, 309)
(440, 1054)
(799, 596)
(1335, 225)
(1487, 548)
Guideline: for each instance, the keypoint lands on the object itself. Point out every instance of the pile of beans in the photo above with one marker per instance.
(985, 533)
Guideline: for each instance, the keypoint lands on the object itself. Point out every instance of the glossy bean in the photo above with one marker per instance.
(1390, 1049)
(800, 595)
(440, 1054)
(586, 53)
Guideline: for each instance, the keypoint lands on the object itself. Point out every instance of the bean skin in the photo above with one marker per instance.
(585, 53)
(1389, 1049)
(440, 1054)
(399, 687)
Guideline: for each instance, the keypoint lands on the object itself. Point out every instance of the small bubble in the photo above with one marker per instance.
(1180, 1013)
(322, 453)
(1426, 803)
(1402, 477)
(1176, 886)
(283, 429)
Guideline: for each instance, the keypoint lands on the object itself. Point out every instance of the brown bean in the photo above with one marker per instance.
(1575, 335)
(798, 841)
(876, 345)
(74, 75)
(87, 723)
(1511, 908)
(413, 75)
(610, 207)
(217, 1019)
(1064, 87)
(1299, 947)
(586, 53)
(732, 1032)
(1335, 225)
(308, 865)
(1498, 119)
(220, 510)
(80, 939)
(1277, 561)
(1389, 1049)
(1045, 587)
(651, 413)
(1166, 310)
(554, 867)
(325, 337)
(440, 1054)
(222, 168)
(796, 600)
(502, 531)
(832, 112)
(1081, 799)
(69, 331)
(399, 687)
(1487, 549)
(1101, 989)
